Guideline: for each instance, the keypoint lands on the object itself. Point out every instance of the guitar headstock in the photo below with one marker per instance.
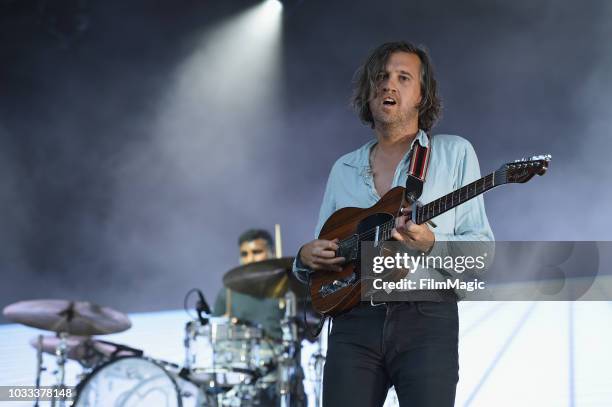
(523, 170)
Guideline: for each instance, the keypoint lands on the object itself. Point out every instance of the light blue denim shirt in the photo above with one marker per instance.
(453, 164)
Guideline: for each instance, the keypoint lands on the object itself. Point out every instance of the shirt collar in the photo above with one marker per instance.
(361, 156)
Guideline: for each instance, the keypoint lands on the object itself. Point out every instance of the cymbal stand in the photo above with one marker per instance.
(39, 368)
(317, 360)
(60, 357)
(288, 364)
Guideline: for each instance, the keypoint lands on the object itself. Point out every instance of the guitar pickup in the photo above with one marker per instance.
(349, 251)
(336, 285)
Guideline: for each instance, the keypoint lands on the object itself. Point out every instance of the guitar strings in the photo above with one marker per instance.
(388, 226)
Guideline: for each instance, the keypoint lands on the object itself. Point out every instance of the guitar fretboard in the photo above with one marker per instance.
(455, 198)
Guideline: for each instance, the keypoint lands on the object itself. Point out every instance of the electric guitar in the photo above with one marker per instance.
(333, 292)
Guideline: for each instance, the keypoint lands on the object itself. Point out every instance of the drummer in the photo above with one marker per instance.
(254, 245)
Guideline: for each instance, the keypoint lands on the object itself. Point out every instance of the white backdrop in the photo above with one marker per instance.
(511, 353)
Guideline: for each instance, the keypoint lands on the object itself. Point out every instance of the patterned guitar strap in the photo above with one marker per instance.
(417, 171)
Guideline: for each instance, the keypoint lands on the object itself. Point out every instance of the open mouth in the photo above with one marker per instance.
(389, 101)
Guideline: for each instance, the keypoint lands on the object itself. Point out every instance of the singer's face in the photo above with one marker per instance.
(397, 94)
(253, 251)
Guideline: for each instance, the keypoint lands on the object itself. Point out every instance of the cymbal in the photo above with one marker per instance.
(80, 318)
(272, 279)
(76, 346)
(264, 279)
(83, 349)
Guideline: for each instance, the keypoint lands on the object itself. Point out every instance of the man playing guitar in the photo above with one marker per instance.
(412, 345)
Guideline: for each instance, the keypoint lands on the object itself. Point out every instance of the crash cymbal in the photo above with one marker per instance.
(264, 279)
(80, 318)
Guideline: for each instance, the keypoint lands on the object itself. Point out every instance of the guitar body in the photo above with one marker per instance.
(332, 292)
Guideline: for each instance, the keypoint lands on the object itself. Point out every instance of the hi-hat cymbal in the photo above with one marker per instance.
(84, 349)
(80, 318)
(77, 347)
(264, 279)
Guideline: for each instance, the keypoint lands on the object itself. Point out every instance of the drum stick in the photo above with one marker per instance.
(277, 241)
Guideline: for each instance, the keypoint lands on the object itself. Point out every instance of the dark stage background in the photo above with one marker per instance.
(135, 144)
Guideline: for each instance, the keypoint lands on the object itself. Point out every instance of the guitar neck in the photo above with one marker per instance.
(456, 198)
(348, 247)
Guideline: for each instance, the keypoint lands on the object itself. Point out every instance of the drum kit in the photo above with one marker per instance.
(227, 362)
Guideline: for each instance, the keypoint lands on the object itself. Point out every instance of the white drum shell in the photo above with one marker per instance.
(135, 382)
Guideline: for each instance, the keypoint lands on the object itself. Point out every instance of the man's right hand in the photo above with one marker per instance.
(321, 255)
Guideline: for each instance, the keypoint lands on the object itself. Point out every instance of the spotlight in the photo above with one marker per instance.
(273, 6)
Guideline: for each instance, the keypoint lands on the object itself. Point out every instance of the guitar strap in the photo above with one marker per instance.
(417, 171)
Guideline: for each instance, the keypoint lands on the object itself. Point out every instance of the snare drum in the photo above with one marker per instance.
(134, 381)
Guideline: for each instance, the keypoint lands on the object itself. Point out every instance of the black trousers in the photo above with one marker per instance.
(410, 345)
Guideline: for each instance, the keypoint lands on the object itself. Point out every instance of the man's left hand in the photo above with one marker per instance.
(414, 236)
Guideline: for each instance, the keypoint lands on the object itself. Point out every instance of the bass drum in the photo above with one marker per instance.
(136, 382)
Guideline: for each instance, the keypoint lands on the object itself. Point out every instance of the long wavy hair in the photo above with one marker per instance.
(365, 83)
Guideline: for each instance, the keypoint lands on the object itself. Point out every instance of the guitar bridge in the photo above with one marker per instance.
(336, 285)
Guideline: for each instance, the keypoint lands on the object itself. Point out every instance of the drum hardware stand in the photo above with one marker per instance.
(187, 346)
(286, 368)
(288, 365)
(39, 367)
(60, 373)
(317, 360)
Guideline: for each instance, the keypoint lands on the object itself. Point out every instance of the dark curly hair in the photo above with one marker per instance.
(365, 83)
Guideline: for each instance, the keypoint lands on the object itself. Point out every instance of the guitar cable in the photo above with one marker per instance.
(317, 332)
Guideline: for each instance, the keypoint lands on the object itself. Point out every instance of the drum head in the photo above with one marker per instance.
(129, 382)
